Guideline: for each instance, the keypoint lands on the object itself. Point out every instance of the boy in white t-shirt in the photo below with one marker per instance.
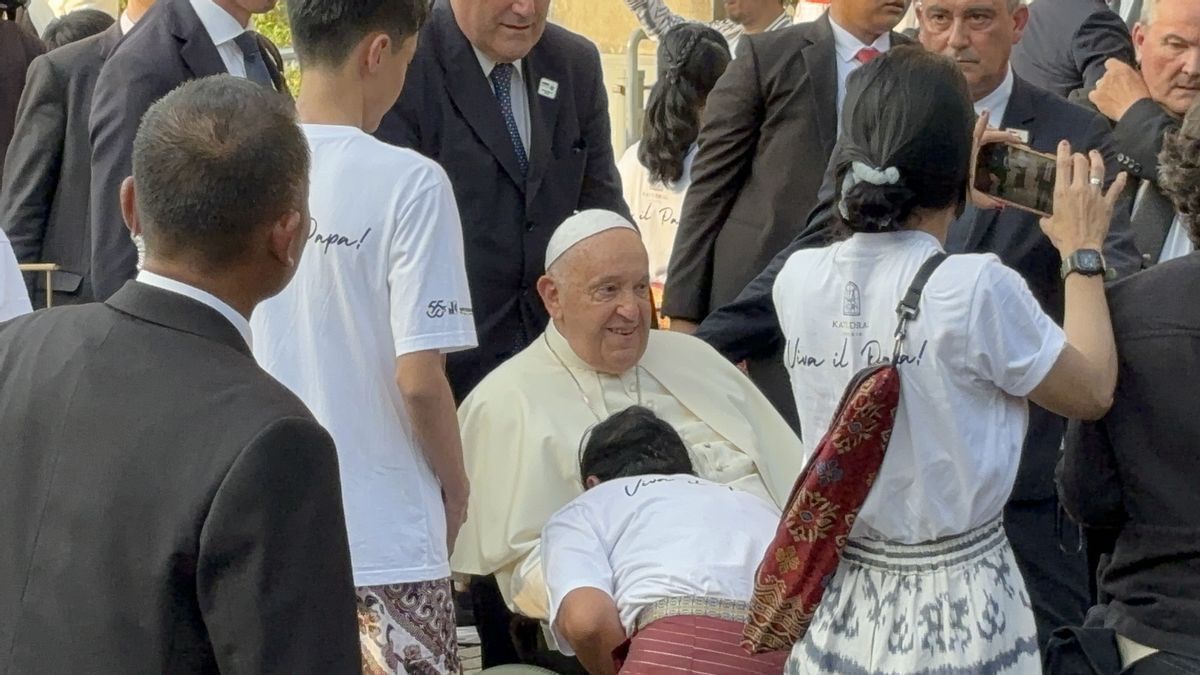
(654, 553)
(361, 333)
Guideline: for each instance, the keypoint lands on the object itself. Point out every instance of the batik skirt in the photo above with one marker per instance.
(957, 606)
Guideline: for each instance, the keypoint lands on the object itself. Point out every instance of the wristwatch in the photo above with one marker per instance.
(1086, 261)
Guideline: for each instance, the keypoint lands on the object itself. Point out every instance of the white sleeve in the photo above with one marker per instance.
(1010, 340)
(427, 277)
(14, 296)
(573, 556)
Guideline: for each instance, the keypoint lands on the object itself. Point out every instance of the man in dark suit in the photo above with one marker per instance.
(1055, 573)
(1148, 103)
(178, 40)
(769, 127)
(163, 501)
(48, 170)
(18, 48)
(516, 113)
(1067, 42)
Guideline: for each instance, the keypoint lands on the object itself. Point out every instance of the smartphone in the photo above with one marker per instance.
(1017, 176)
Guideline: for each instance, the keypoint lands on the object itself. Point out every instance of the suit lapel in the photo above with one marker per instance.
(1020, 114)
(162, 307)
(820, 59)
(1152, 217)
(543, 116)
(472, 93)
(198, 50)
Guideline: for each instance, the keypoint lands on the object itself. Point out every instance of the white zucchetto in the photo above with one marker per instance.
(581, 226)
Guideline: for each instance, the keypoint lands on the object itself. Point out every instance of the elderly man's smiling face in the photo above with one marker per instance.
(598, 295)
(504, 30)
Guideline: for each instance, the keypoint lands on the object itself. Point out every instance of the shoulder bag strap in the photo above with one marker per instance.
(910, 306)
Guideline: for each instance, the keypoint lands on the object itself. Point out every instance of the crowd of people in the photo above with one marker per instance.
(346, 367)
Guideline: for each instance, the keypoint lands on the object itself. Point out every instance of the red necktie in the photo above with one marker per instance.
(866, 55)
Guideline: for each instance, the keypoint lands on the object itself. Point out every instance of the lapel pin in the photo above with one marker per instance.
(548, 88)
(1022, 134)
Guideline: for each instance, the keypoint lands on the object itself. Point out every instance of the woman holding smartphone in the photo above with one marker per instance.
(927, 582)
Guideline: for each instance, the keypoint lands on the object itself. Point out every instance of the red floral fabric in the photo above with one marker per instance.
(820, 512)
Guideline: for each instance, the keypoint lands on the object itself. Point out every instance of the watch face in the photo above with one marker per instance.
(1089, 261)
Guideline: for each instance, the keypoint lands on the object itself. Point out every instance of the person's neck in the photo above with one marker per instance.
(986, 89)
(329, 98)
(865, 36)
(137, 9)
(936, 223)
(230, 288)
(239, 13)
(759, 24)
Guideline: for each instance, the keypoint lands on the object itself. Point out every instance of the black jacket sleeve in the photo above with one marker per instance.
(1102, 36)
(1138, 137)
(733, 116)
(748, 326)
(31, 169)
(601, 187)
(273, 578)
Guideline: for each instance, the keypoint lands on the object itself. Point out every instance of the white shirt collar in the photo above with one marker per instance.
(996, 103)
(220, 25)
(848, 46)
(487, 64)
(239, 322)
(126, 23)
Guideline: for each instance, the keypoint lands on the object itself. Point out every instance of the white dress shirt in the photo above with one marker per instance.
(519, 93)
(222, 28)
(241, 323)
(1178, 243)
(14, 298)
(127, 23)
(847, 47)
(996, 103)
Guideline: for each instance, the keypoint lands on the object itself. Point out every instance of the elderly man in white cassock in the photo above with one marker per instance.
(522, 426)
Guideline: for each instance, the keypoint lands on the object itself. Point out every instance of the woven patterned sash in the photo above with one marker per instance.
(826, 499)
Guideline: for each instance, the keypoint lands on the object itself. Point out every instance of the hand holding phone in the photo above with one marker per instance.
(1082, 208)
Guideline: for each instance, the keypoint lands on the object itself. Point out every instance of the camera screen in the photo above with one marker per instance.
(1016, 175)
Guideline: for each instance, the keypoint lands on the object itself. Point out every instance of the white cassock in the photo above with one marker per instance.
(523, 424)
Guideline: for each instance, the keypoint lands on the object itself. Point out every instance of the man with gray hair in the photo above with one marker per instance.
(163, 501)
(522, 425)
(1145, 105)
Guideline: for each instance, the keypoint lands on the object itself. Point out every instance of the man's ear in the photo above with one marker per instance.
(129, 206)
(550, 293)
(1139, 39)
(1020, 21)
(285, 241)
(591, 482)
(376, 46)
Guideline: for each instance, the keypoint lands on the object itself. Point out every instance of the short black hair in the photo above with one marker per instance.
(633, 442)
(74, 26)
(213, 160)
(909, 110)
(324, 32)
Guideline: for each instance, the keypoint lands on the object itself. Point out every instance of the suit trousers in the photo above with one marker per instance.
(1053, 562)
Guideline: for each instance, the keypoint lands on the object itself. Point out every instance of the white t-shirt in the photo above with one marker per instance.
(656, 207)
(382, 276)
(979, 346)
(647, 538)
(14, 296)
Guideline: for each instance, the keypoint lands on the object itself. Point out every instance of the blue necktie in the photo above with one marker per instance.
(256, 69)
(501, 78)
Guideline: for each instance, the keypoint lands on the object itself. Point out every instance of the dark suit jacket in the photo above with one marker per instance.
(748, 326)
(163, 501)
(449, 113)
(44, 198)
(1138, 138)
(168, 47)
(769, 127)
(17, 50)
(1067, 42)
(1135, 471)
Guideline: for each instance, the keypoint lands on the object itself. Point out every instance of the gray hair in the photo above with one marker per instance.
(1149, 11)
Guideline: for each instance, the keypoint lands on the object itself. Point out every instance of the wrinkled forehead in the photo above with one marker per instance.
(962, 6)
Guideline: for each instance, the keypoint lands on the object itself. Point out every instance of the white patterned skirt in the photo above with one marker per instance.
(957, 606)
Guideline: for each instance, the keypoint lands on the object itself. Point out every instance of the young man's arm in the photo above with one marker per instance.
(431, 315)
(421, 377)
(588, 619)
